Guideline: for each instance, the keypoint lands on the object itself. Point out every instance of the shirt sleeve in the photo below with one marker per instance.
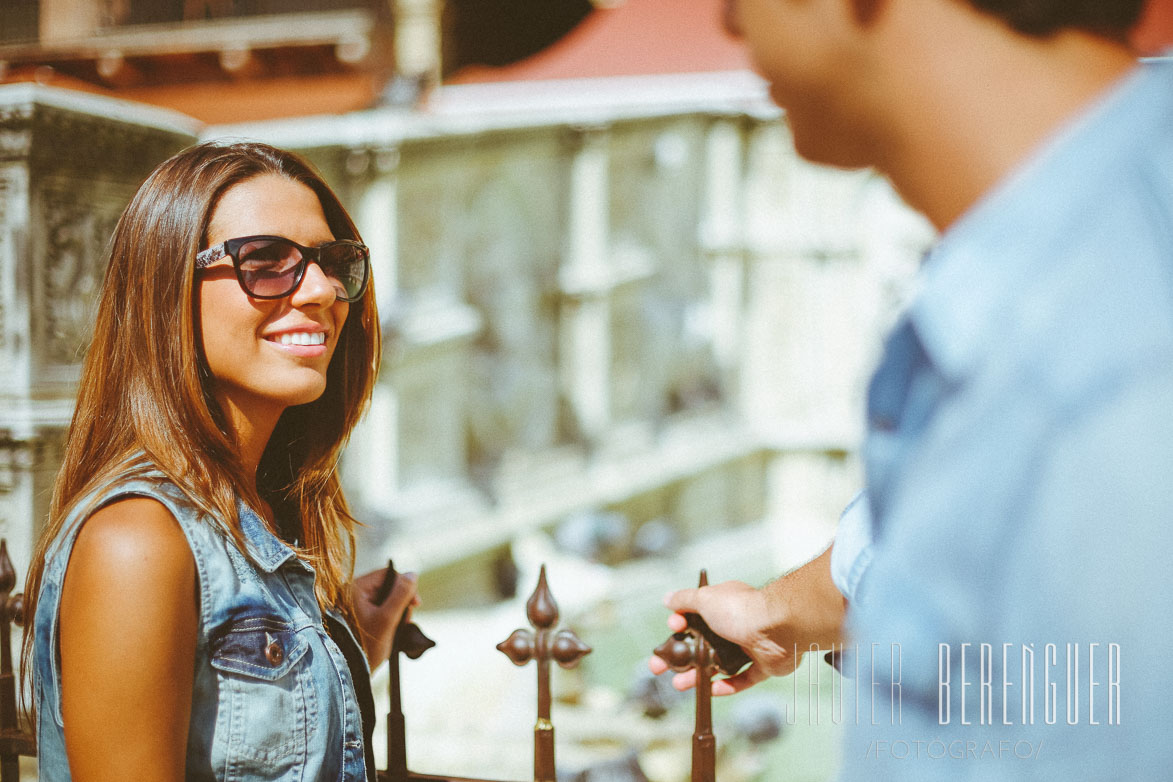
(852, 551)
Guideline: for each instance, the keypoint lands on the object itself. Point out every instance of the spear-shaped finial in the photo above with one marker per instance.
(543, 644)
(683, 651)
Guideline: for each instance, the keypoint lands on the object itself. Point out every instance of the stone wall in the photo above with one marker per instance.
(69, 163)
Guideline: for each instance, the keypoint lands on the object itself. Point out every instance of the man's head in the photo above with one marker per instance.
(842, 68)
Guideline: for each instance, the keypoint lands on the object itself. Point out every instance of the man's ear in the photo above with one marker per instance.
(729, 18)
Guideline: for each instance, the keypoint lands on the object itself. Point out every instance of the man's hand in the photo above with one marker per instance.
(377, 623)
(775, 625)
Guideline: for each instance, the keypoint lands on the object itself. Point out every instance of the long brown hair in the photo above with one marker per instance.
(145, 398)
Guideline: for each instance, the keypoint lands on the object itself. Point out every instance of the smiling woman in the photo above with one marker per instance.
(267, 354)
(195, 612)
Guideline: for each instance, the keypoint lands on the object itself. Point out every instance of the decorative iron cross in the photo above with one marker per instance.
(543, 644)
(694, 648)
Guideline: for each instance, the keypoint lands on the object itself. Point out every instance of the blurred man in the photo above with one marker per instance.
(1004, 577)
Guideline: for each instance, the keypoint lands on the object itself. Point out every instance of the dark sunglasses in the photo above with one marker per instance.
(271, 267)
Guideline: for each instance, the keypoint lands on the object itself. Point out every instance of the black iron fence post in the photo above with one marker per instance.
(411, 641)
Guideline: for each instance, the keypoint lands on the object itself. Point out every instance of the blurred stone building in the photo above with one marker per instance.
(599, 292)
(226, 60)
(609, 289)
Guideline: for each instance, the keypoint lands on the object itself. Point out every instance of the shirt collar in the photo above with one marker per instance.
(264, 548)
(975, 277)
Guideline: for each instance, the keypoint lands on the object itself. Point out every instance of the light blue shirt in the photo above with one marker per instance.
(1020, 477)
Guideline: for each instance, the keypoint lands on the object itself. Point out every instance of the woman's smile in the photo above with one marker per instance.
(308, 341)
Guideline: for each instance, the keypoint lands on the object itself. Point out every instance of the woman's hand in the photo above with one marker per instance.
(377, 623)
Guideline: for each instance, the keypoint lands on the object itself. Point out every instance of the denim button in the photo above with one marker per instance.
(273, 651)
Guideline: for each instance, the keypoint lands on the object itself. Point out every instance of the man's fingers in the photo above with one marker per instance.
(677, 623)
(684, 681)
(682, 600)
(742, 681)
(734, 684)
(727, 686)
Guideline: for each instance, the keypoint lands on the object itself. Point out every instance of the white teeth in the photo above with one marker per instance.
(302, 338)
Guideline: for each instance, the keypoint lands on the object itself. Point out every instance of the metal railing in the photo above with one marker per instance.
(543, 643)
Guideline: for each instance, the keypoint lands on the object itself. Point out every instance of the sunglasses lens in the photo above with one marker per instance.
(269, 267)
(346, 265)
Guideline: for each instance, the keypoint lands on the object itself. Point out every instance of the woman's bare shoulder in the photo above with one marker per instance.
(129, 529)
(133, 539)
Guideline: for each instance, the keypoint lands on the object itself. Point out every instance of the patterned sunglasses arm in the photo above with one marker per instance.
(209, 256)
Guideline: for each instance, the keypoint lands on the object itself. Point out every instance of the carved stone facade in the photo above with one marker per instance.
(68, 165)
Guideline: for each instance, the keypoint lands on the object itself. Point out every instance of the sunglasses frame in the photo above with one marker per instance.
(231, 248)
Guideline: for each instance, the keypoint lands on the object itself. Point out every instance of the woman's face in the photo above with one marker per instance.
(249, 343)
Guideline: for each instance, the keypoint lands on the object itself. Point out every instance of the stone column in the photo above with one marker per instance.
(376, 211)
(585, 280)
(68, 20)
(407, 457)
(723, 243)
(69, 163)
(418, 33)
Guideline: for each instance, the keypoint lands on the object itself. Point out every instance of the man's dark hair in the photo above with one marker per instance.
(1041, 18)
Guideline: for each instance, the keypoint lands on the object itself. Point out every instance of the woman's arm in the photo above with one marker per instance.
(128, 627)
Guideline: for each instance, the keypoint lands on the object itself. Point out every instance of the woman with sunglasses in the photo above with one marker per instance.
(193, 613)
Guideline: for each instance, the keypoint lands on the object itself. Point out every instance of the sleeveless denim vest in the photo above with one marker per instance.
(273, 698)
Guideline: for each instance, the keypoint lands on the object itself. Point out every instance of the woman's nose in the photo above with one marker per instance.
(315, 288)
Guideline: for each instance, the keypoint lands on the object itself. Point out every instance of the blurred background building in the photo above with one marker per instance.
(627, 330)
(220, 60)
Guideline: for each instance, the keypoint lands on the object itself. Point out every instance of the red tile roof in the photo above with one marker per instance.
(1156, 29)
(684, 36)
(637, 37)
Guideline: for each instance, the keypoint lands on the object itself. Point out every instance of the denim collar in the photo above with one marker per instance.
(265, 548)
(988, 273)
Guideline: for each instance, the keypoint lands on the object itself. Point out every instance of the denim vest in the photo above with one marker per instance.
(273, 697)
